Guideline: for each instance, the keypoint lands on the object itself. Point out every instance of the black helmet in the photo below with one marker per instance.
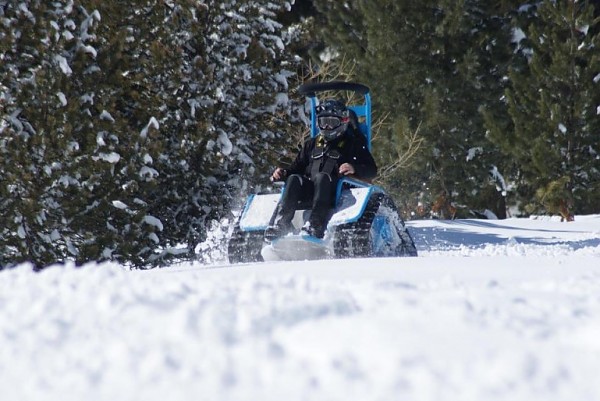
(332, 118)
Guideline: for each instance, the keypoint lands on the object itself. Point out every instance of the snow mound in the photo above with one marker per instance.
(491, 310)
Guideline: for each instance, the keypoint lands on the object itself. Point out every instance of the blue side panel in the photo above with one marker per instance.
(382, 236)
(247, 205)
(258, 211)
(363, 112)
(362, 210)
(314, 129)
(349, 182)
(245, 215)
(352, 205)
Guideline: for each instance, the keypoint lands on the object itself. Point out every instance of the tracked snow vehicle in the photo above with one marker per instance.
(364, 223)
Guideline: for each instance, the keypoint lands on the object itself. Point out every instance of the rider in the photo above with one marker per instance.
(338, 150)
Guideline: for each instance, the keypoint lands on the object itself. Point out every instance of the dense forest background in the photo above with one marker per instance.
(129, 129)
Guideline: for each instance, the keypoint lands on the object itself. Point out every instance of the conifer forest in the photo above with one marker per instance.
(131, 129)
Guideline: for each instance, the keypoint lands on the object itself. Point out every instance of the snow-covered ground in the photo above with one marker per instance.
(491, 310)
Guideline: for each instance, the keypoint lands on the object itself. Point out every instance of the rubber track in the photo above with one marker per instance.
(407, 247)
(353, 240)
(245, 246)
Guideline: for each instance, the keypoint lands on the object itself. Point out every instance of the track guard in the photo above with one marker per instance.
(379, 232)
(247, 238)
(365, 223)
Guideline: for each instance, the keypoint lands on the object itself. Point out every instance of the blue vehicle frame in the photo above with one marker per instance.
(365, 222)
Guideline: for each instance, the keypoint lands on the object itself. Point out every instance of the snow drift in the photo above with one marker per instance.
(491, 310)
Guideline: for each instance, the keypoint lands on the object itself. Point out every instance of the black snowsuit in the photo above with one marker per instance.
(313, 176)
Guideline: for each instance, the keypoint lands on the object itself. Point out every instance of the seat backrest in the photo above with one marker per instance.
(361, 112)
(359, 121)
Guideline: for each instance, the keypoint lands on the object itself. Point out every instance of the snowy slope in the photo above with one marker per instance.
(491, 310)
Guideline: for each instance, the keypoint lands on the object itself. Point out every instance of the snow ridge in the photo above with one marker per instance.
(491, 310)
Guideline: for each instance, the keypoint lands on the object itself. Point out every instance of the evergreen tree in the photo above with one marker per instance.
(124, 135)
(66, 160)
(431, 66)
(231, 112)
(553, 108)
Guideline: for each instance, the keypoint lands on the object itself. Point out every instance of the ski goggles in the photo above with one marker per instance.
(331, 122)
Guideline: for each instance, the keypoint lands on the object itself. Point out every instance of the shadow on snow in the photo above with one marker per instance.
(457, 233)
